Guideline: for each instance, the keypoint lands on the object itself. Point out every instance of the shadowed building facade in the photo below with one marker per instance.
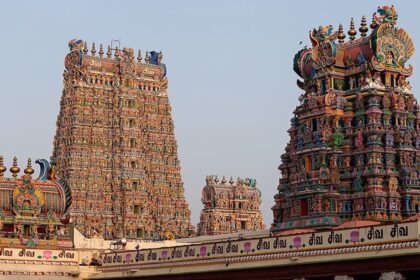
(354, 141)
(115, 145)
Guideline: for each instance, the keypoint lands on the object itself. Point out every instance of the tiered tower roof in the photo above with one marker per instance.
(116, 147)
(230, 206)
(354, 150)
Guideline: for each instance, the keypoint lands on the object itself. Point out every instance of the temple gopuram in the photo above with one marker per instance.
(348, 196)
(115, 145)
(354, 150)
(34, 213)
(230, 207)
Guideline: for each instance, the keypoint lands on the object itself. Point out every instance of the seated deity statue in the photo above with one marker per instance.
(377, 82)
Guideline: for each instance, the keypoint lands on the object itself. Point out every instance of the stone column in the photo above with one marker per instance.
(391, 276)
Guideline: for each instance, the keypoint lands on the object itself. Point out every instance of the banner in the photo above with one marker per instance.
(299, 242)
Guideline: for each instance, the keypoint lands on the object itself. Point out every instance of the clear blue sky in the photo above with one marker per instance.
(231, 83)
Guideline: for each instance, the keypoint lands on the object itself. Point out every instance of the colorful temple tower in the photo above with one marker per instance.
(354, 150)
(34, 212)
(115, 145)
(230, 207)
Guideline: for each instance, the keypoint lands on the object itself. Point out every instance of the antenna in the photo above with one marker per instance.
(115, 43)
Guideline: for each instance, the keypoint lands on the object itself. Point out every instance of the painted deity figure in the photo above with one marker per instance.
(361, 58)
(340, 102)
(377, 81)
(329, 98)
(352, 83)
(326, 134)
(333, 161)
(386, 102)
(401, 102)
(327, 205)
(368, 81)
(389, 139)
(397, 135)
(407, 139)
(359, 139)
(410, 103)
(390, 58)
(359, 102)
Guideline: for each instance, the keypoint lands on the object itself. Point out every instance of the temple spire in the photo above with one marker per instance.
(147, 58)
(14, 169)
(93, 51)
(2, 167)
(29, 170)
(352, 32)
(116, 52)
(363, 27)
(139, 58)
(341, 35)
(85, 49)
(108, 53)
(373, 25)
(101, 51)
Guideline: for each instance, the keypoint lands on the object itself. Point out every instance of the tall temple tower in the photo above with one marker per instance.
(115, 145)
(230, 207)
(354, 150)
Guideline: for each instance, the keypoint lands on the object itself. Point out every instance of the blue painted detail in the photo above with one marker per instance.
(44, 165)
(164, 69)
(81, 57)
(154, 57)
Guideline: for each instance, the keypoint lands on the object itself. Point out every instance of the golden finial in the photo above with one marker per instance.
(2, 167)
(101, 51)
(117, 52)
(373, 25)
(14, 169)
(85, 49)
(363, 27)
(29, 170)
(231, 180)
(108, 53)
(147, 58)
(341, 36)
(139, 58)
(216, 180)
(93, 51)
(352, 32)
(223, 180)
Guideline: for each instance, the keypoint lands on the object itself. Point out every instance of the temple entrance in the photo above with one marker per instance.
(26, 230)
(304, 207)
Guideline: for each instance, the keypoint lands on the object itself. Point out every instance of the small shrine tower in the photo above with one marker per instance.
(230, 207)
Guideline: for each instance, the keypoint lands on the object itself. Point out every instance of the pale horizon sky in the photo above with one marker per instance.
(231, 83)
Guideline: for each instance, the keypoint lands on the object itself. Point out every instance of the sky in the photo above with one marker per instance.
(231, 83)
